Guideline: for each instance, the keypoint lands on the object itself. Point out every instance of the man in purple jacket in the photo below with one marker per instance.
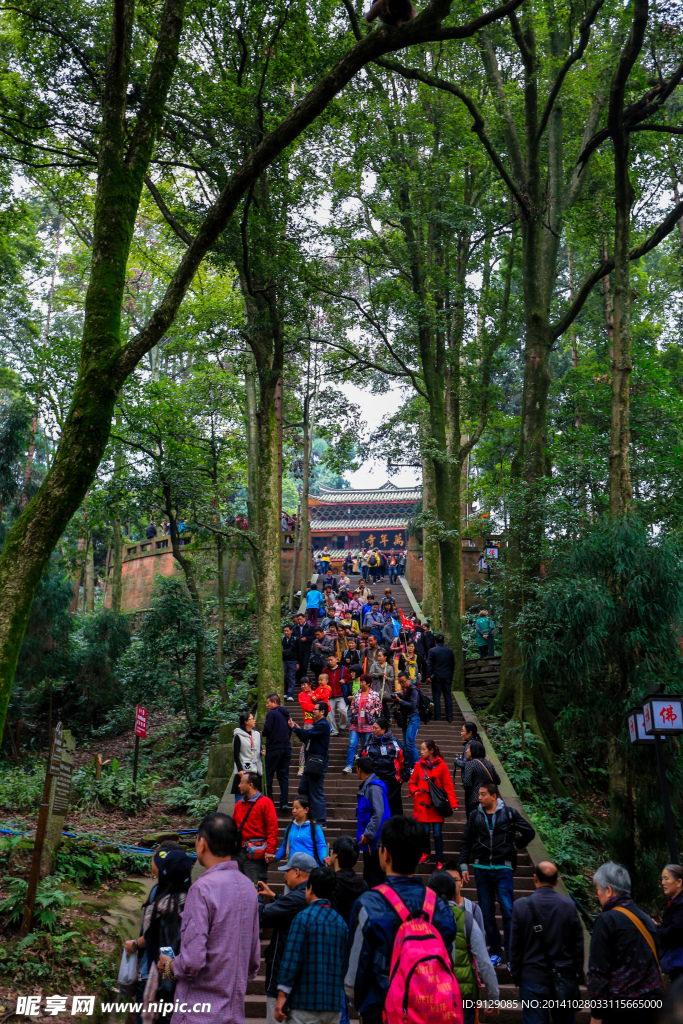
(219, 938)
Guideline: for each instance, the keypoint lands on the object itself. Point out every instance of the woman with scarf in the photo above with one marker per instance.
(161, 927)
(246, 749)
(431, 766)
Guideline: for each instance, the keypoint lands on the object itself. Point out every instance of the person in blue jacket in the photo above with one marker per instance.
(315, 603)
(303, 834)
(371, 812)
(374, 922)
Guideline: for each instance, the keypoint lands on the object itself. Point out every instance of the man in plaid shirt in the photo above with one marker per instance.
(310, 978)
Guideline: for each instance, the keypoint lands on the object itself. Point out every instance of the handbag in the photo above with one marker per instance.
(438, 798)
(314, 766)
(128, 971)
(254, 849)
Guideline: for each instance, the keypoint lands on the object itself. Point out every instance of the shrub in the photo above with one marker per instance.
(115, 789)
(51, 902)
(21, 788)
(187, 799)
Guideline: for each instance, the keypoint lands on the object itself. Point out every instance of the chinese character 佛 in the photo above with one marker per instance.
(55, 1005)
(83, 1004)
(668, 715)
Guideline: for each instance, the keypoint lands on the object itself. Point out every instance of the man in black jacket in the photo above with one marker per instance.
(424, 641)
(330, 580)
(622, 965)
(493, 834)
(277, 736)
(290, 660)
(385, 752)
(279, 915)
(304, 634)
(546, 949)
(317, 742)
(440, 669)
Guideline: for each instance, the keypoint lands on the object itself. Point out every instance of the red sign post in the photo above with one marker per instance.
(140, 733)
(141, 722)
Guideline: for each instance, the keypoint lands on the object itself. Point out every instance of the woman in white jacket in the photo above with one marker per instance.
(246, 749)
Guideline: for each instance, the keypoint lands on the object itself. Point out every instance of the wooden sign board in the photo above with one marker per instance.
(59, 803)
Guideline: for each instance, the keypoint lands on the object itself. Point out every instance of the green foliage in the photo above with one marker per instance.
(84, 863)
(187, 799)
(115, 790)
(52, 901)
(574, 840)
(21, 787)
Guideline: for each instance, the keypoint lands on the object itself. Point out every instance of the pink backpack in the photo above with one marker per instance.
(422, 985)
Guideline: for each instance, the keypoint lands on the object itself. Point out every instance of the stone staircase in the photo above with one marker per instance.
(340, 791)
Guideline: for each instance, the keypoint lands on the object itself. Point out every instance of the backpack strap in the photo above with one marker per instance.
(479, 761)
(429, 905)
(643, 931)
(395, 901)
(314, 834)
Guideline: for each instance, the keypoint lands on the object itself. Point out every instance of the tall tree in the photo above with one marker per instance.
(122, 132)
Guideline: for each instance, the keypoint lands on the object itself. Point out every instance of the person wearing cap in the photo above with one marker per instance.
(278, 912)
(310, 978)
(139, 945)
(162, 921)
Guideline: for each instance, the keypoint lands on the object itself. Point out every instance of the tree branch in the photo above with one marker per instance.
(478, 122)
(607, 266)
(584, 36)
(173, 223)
(152, 110)
(425, 28)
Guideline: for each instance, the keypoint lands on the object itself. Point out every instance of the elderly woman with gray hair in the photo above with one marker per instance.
(623, 967)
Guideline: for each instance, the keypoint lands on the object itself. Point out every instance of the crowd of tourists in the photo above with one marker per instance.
(390, 944)
(382, 940)
(371, 563)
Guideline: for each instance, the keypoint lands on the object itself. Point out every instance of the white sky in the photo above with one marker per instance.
(374, 408)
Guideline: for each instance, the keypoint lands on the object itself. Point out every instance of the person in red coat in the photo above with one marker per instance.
(256, 819)
(431, 766)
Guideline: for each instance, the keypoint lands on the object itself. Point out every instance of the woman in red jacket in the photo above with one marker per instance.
(431, 766)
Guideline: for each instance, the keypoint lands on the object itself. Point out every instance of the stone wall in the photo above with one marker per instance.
(145, 561)
(414, 568)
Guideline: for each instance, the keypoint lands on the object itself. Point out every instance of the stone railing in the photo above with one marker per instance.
(153, 546)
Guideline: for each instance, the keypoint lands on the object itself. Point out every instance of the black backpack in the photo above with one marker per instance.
(425, 707)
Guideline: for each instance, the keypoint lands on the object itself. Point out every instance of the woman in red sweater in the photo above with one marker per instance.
(431, 766)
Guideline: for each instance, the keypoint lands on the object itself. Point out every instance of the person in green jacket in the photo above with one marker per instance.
(471, 960)
(484, 627)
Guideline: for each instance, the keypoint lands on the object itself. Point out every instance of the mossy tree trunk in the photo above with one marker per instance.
(308, 427)
(431, 570)
(124, 156)
(186, 564)
(125, 150)
(117, 568)
(620, 492)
